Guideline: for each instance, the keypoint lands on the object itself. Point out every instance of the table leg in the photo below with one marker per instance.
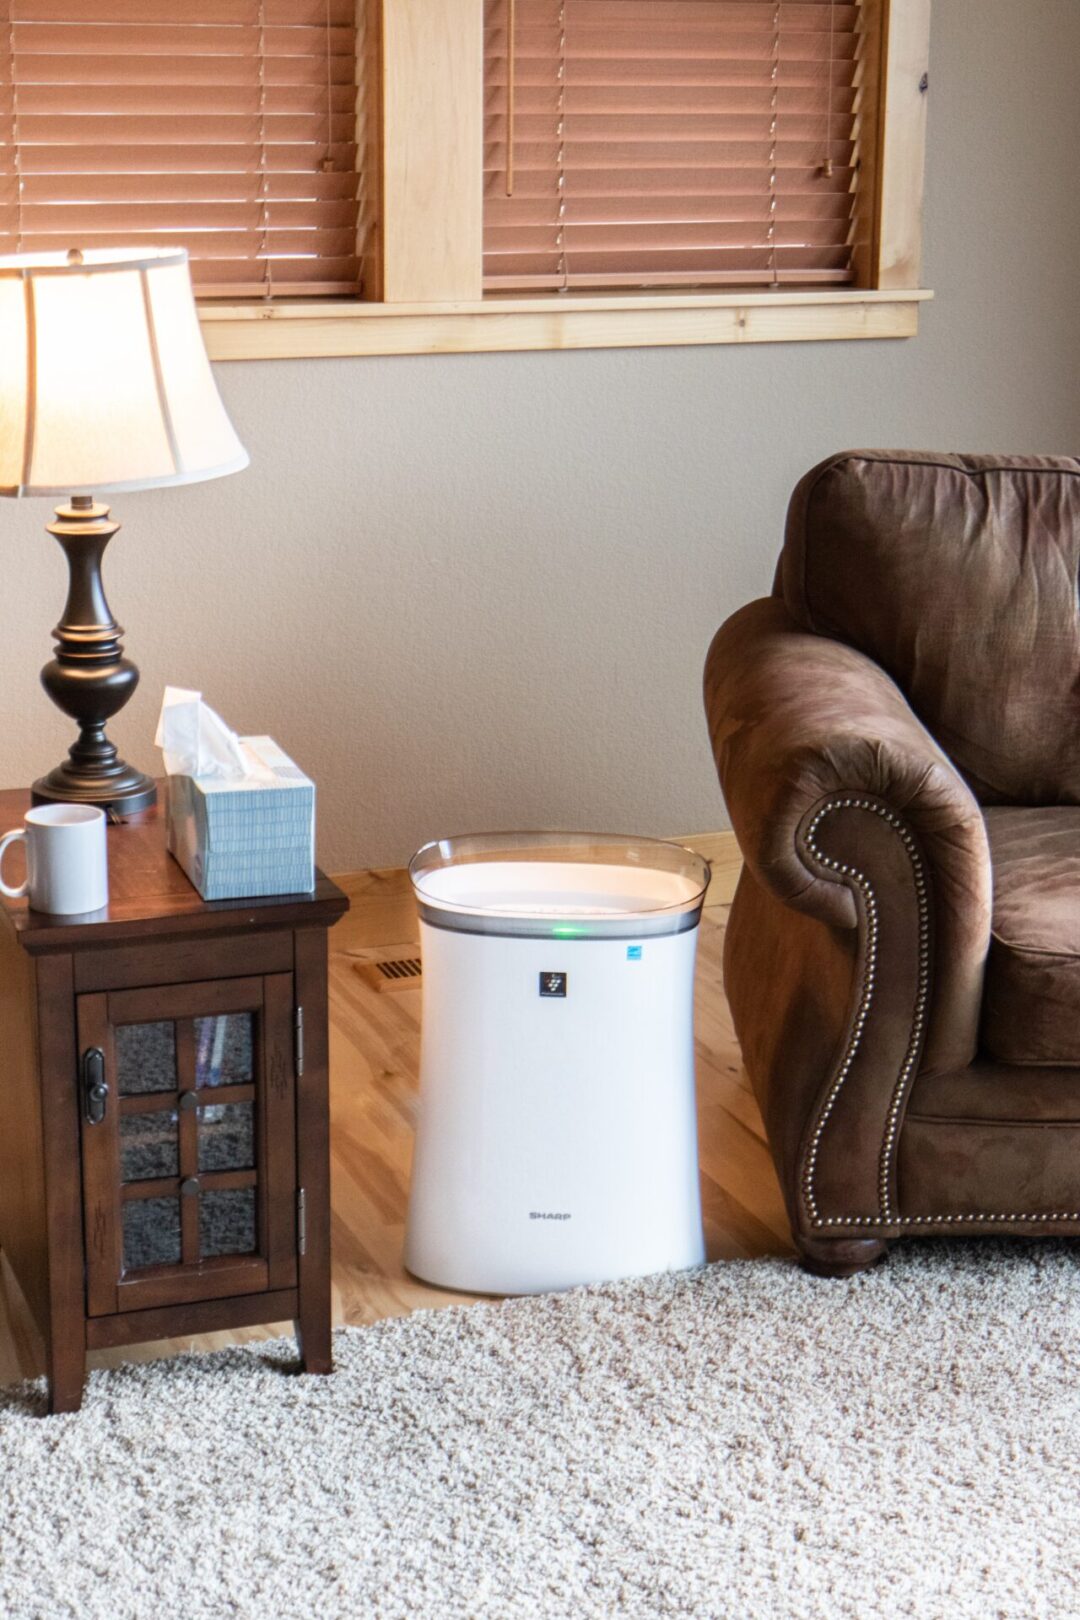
(65, 1367)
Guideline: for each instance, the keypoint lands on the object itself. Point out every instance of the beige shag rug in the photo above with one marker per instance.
(743, 1442)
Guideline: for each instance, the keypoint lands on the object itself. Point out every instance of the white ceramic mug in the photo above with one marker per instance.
(66, 865)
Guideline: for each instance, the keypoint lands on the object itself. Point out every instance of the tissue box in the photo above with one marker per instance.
(237, 840)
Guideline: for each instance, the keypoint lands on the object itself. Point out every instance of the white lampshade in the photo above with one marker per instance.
(105, 384)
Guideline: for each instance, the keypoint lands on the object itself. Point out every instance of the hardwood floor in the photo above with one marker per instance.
(374, 1057)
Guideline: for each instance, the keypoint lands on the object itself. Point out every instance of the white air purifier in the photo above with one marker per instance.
(557, 1139)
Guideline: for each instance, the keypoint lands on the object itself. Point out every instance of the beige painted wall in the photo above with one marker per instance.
(477, 592)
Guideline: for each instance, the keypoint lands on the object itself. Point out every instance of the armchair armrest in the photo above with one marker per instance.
(799, 721)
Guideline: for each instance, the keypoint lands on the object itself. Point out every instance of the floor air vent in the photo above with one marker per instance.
(403, 974)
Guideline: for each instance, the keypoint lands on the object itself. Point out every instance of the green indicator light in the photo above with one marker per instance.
(566, 932)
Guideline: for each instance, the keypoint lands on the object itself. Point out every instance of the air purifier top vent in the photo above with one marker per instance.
(559, 885)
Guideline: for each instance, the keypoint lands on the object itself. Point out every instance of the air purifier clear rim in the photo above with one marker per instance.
(615, 915)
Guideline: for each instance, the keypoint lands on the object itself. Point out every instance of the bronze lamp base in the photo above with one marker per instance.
(89, 678)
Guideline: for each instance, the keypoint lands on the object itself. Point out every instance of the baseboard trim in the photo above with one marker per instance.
(721, 850)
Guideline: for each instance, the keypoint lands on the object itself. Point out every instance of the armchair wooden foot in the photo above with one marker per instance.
(840, 1257)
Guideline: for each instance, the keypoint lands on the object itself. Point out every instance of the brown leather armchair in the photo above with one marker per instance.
(897, 732)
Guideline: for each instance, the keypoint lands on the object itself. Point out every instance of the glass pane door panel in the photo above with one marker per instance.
(145, 1058)
(191, 1126)
(227, 1222)
(151, 1232)
(149, 1146)
(224, 1050)
(227, 1137)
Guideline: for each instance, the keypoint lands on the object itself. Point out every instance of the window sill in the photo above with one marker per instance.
(293, 331)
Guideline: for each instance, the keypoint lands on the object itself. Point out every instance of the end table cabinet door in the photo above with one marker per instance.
(187, 1095)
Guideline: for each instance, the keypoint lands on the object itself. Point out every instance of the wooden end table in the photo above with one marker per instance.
(164, 1145)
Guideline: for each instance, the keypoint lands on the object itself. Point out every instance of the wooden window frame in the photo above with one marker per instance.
(422, 136)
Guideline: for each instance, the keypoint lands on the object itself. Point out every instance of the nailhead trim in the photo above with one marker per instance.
(866, 996)
(982, 1216)
(885, 1215)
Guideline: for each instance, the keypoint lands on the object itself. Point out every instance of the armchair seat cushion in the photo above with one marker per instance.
(1031, 1007)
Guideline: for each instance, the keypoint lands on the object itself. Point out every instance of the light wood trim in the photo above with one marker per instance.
(902, 144)
(308, 331)
(869, 85)
(423, 257)
(721, 851)
(432, 168)
(369, 118)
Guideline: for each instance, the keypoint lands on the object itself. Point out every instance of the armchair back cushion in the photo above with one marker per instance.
(958, 575)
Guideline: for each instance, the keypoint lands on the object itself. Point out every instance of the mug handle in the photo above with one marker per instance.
(5, 888)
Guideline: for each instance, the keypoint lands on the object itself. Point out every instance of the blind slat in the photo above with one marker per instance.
(688, 235)
(824, 260)
(670, 142)
(688, 101)
(94, 39)
(244, 244)
(104, 133)
(617, 54)
(131, 13)
(225, 126)
(670, 278)
(656, 157)
(181, 187)
(626, 129)
(674, 182)
(674, 13)
(80, 161)
(192, 70)
(183, 220)
(133, 100)
(644, 210)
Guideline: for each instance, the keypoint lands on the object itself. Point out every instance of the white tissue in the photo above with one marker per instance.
(196, 741)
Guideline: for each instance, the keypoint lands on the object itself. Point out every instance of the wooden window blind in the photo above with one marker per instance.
(224, 126)
(670, 143)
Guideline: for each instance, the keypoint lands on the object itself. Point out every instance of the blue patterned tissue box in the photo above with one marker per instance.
(240, 839)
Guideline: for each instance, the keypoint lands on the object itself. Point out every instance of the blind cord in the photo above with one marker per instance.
(15, 135)
(264, 215)
(328, 160)
(827, 165)
(774, 124)
(560, 160)
(511, 87)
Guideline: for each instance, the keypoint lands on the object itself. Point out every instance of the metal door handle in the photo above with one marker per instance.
(95, 1086)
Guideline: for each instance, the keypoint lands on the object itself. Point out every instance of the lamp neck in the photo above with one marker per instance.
(87, 629)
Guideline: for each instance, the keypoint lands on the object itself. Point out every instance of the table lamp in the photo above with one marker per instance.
(105, 386)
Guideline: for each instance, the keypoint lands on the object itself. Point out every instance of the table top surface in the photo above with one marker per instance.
(150, 895)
